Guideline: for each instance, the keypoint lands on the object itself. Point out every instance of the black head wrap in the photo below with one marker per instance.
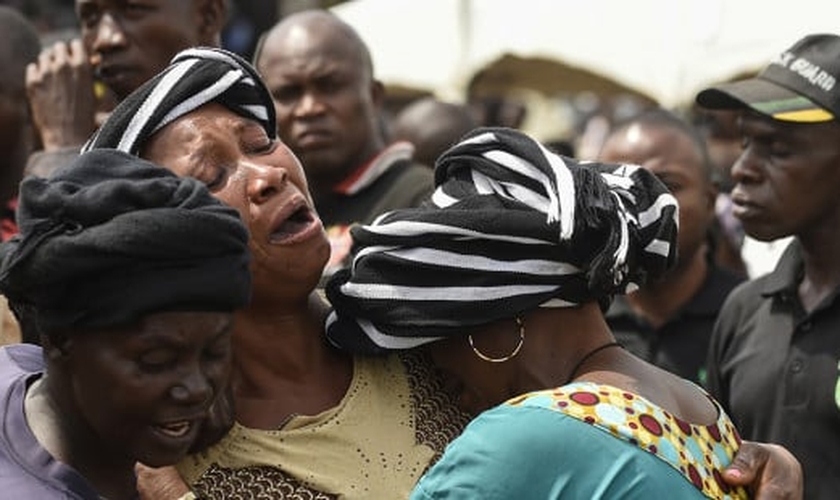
(511, 226)
(110, 238)
(194, 78)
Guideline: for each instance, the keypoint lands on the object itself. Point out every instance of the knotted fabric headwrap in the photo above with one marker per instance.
(194, 78)
(510, 227)
(110, 238)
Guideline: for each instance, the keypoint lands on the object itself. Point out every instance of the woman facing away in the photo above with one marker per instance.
(504, 278)
(118, 268)
(310, 419)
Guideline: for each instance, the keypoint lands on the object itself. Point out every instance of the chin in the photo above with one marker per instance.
(162, 459)
(155, 454)
(764, 233)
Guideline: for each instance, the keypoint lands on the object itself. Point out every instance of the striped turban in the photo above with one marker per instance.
(510, 227)
(110, 238)
(194, 78)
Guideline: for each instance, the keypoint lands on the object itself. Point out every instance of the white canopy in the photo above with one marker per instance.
(664, 49)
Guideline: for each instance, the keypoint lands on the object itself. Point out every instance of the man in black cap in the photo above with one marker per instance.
(774, 361)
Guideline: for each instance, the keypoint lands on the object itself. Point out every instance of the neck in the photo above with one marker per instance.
(659, 301)
(283, 365)
(70, 441)
(821, 266)
(552, 357)
(575, 344)
(578, 367)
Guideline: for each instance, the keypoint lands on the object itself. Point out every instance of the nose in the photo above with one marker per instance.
(747, 168)
(308, 105)
(265, 181)
(193, 387)
(108, 34)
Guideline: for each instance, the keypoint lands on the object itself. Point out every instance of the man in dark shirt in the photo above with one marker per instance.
(773, 361)
(669, 322)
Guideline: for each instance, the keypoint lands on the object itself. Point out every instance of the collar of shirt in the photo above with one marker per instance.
(783, 282)
(788, 273)
(706, 300)
(368, 173)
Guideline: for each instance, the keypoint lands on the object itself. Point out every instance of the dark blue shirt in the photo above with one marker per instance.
(680, 345)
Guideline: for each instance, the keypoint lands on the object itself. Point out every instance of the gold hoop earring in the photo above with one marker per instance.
(516, 349)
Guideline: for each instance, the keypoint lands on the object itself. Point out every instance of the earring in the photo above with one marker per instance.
(516, 349)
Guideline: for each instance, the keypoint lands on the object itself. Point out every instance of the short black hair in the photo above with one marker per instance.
(663, 118)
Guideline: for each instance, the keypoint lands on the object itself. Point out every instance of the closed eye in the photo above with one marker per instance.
(217, 181)
(157, 360)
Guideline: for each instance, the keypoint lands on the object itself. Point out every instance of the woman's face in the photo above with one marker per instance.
(261, 178)
(477, 384)
(142, 392)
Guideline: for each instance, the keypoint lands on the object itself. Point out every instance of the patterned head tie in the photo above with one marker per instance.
(110, 238)
(194, 78)
(510, 227)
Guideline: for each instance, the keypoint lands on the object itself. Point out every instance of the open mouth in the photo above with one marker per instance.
(175, 429)
(295, 227)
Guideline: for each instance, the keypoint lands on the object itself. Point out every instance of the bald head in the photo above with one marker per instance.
(314, 30)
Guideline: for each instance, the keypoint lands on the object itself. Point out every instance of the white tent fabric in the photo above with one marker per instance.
(664, 49)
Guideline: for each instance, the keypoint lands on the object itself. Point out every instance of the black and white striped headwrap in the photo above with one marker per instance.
(511, 226)
(195, 77)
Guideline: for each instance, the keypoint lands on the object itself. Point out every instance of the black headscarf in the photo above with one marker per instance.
(194, 78)
(511, 226)
(110, 238)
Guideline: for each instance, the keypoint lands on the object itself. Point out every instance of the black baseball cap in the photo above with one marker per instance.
(800, 85)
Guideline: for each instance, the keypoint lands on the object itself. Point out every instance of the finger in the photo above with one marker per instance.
(33, 75)
(78, 54)
(771, 471)
(45, 58)
(60, 55)
(746, 465)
